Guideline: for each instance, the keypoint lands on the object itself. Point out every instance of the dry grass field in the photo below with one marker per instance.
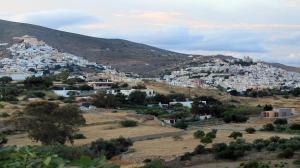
(105, 125)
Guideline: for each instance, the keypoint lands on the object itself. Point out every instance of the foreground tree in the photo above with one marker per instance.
(50, 124)
(5, 80)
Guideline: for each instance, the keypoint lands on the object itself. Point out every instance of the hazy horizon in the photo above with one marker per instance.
(268, 30)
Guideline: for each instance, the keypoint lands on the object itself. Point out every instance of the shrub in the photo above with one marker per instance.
(186, 156)
(268, 107)
(35, 94)
(66, 152)
(268, 127)
(206, 140)
(235, 118)
(199, 134)
(280, 121)
(295, 126)
(181, 125)
(272, 146)
(232, 151)
(297, 162)
(235, 135)
(259, 144)
(287, 153)
(156, 164)
(129, 123)
(212, 134)
(4, 115)
(3, 139)
(79, 136)
(110, 148)
(200, 149)
(250, 130)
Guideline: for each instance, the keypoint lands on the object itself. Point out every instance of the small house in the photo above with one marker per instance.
(278, 113)
(168, 121)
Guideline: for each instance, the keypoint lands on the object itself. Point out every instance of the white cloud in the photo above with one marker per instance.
(56, 18)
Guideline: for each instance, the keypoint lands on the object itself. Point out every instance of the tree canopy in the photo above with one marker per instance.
(49, 123)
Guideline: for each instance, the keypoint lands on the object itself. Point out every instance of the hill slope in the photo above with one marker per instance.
(124, 55)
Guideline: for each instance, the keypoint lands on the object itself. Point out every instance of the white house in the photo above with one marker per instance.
(127, 92)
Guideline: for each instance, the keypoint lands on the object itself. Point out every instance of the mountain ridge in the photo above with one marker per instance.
(121, 54)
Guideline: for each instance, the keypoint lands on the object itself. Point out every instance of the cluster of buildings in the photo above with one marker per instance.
(29, 56)
(234, 74)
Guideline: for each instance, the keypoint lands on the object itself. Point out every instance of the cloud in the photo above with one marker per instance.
(184, 38)
(56, 18)
(234, 41)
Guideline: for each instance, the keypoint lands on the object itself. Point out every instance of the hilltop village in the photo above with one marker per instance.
(238, 74)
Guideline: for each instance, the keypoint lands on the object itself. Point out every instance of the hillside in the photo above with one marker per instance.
(124, 55)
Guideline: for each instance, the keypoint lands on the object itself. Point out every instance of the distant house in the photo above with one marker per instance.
(186, 103)
(183, 103)
(66, 93)
(168, 121)
(278, 113)
(205, 117)
(127, 92)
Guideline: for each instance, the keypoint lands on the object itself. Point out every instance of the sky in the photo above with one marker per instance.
(266, 30)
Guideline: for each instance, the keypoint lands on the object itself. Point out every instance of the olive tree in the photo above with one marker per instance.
(49, 123)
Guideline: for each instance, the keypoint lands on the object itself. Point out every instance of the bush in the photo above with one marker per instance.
(3, 139)
(295, 127)
(79, 136)
(156, 164)
(200, 149)
(199, 134)
(287, 153)
(259, 144)
(272, 146)
(268, 127)
(228, 118)
(129, 123)
(235, 135)
(250, 130)
(186, 156)
(181, 125)
(206, 140)
(212, 134)
(297, 162)
(66, 152)
(35, 94)
(281, 121)
(4, 115)
(110, 148)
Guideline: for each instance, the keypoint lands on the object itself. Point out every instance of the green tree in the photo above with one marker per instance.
(37, 82)
(137, 98)
(296, 92)
(5, 80)
(195, 110)
(102, 100)
(51, 124)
